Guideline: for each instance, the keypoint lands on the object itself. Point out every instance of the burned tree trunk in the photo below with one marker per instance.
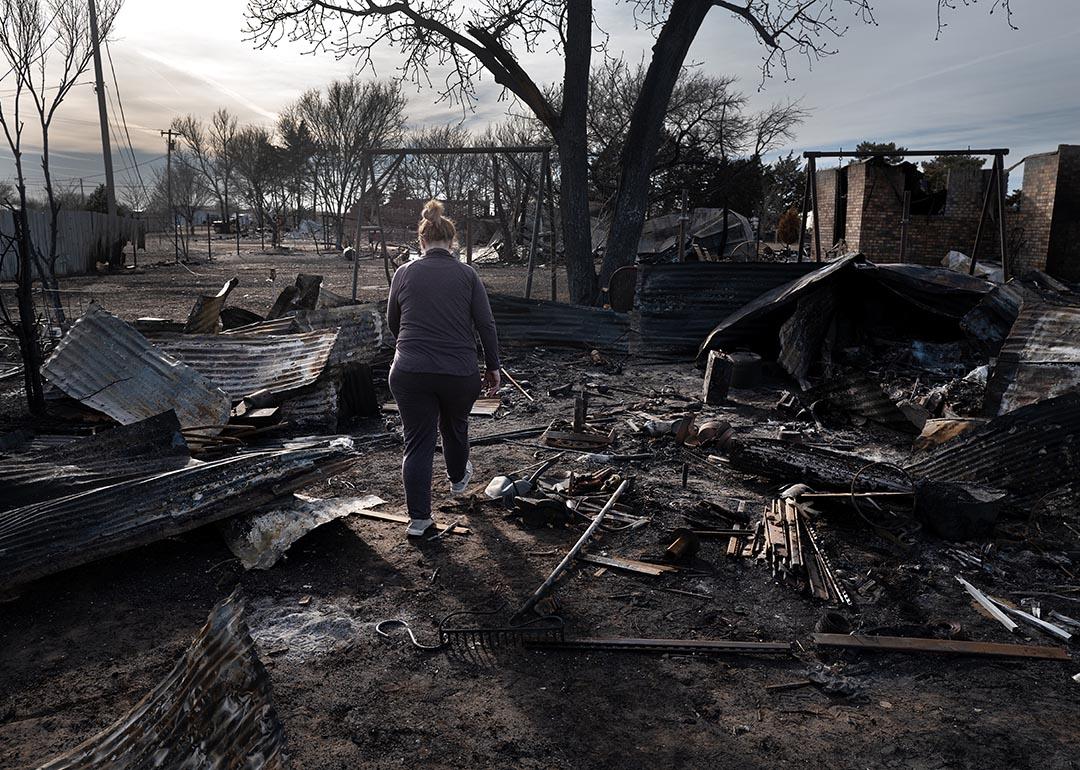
(571, 138)
(645, 133)
(26, 330)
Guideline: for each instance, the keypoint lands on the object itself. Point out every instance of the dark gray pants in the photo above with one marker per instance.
(427, 402)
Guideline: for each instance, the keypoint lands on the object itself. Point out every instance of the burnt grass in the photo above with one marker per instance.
(81, 647)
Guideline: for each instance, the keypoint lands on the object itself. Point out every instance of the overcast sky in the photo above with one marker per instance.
(980, 84)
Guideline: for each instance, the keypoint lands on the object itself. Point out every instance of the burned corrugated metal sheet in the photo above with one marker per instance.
(315, 408)
(214, 711)
(241, 364)
(752, 319)
(107, 365)
(1030, 452)
(360, 331)
(858, 393)
(44, 538)
(935, 290)
(1040, 357)
(821, 468)
(989, 322)
(677, 305)
(127, 451)
(205, 316)
(541, 322)
(259, 540)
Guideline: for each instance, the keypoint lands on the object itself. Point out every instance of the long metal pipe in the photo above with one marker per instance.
(899, 153)
(541, 592)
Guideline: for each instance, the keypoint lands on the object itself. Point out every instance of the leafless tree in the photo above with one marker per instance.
(210, 152)
(18, 49)
(261, 175)
(469, 41)
(189, 195)
(449, 177)
(63, 52)
(345, 119)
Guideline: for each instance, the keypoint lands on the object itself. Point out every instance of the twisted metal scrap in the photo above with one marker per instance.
(213, 711)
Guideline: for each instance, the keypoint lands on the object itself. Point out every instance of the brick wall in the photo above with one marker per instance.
(826, 180)
(1063, 256)
(875, 210)
(1032, 221)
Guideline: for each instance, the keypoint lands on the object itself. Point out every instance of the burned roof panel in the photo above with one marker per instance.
(678, 304)
(749, 320)
(46, 537)
(127, 451)
(107, 365)
(241, 364)
(1030, 452)
(1039, 359)
(213, 711)
(541, 322)
(935, 290)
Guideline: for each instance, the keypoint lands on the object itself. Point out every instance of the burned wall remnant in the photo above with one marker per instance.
(862, 204)
(1045, 227)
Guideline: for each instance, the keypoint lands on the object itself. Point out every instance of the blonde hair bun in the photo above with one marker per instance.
(433, 226)
(433, 211)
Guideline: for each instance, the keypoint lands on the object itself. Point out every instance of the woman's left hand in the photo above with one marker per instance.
(492, 379)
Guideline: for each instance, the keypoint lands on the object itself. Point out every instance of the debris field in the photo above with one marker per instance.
(776, 515)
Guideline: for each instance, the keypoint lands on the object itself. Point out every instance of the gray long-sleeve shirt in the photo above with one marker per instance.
(435, 302)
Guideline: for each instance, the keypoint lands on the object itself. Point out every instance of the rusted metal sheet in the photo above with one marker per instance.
(107, 365)
(44, 538)
(213, 711)
(677, 305)
(1030, 452)
(242, 364)
(757, 316)
(1040, 358)
(541, 322)
(127, 451)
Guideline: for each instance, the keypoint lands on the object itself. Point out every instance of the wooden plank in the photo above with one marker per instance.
(482, 407)
(914, 644)
(631, 565)
(398, 518)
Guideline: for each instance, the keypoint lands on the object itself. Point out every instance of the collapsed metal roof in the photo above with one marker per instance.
(107, 365)
(748, 319)
(1030, 452)
(241, 364)
(541, 322)
(1039, 359)
(127, 451)
(213, 711)
(677, 305)
(47, 537)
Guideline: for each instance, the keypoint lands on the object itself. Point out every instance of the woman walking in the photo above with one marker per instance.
(435, 303)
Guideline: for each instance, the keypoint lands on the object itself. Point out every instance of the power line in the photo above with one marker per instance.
(123, 118)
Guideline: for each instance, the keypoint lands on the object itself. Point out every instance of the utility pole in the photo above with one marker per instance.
(82, 191)
(168, 185)
(103, 115)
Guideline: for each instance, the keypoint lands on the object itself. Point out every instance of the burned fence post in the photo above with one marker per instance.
(540, 180)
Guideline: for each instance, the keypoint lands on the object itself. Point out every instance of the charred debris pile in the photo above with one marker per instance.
(922, 416)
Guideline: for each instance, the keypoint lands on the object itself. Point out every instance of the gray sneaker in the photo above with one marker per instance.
(418, 527)
(458, 487)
